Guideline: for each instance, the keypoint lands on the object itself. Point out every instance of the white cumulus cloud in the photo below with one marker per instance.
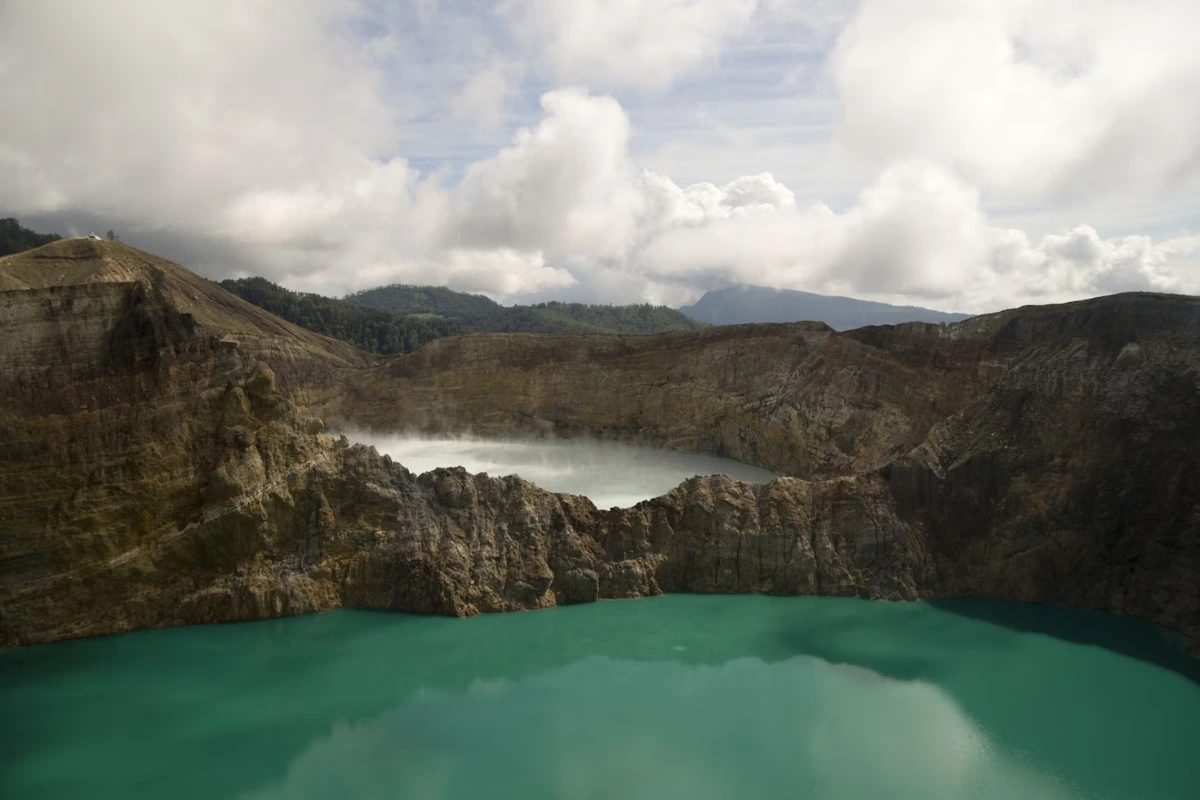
(564, 185)
(917, 233)
(617, 43)
(310, 151)
(1027, 99)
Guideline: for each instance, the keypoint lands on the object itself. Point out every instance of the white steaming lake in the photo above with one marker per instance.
(610, 474)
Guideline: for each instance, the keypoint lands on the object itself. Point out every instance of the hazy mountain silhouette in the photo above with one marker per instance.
(741, 304)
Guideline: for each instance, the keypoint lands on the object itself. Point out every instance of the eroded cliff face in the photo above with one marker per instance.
(154, 471)
(227, 504)
(160, 464)
(1076, 478)
(797, 399)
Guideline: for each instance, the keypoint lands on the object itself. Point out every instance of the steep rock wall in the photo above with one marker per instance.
(156, 470)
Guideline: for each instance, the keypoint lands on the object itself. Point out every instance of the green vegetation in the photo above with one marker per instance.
(14, 238)
(401, 299)
(368, 329)
(399, 319)
(478, 313)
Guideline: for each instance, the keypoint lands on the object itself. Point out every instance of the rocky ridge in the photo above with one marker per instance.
(162, 460)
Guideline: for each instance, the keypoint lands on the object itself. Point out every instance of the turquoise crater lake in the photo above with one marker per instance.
(670, 697)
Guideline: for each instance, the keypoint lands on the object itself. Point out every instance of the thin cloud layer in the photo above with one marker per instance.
(293, 155)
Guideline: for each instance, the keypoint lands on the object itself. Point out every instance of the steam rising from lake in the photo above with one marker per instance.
(610, 474)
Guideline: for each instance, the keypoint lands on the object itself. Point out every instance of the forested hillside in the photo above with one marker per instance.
(368, 329)
(399, 319)
(479, 313)
(15, 238)
(402, 299)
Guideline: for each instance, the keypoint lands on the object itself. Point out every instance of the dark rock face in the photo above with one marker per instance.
(157, 469)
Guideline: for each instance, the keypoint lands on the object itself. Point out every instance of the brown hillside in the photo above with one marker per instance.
(81, 262)
(154, 472)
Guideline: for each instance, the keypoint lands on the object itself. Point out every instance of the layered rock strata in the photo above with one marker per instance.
(160, 461)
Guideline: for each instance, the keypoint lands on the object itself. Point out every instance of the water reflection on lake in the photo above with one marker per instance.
(670, 697)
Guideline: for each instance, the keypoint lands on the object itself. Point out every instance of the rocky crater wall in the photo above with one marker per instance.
(154, 471)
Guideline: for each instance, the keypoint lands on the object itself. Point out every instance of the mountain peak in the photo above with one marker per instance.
(71, 262)
(83, 261)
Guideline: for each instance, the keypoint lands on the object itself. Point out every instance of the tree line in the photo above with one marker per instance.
(479, 313)
(372, 330)
(16, 238)
(431, 312)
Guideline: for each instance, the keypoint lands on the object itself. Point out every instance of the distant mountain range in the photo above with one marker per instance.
(742, 304)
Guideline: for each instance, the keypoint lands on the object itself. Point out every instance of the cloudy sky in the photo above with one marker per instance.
(966, 155)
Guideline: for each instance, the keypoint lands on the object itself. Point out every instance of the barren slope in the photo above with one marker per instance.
(66, 267)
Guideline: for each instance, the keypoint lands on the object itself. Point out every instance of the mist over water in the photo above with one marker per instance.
(610, 474)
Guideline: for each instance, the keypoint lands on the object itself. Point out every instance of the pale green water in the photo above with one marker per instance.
(673, 697)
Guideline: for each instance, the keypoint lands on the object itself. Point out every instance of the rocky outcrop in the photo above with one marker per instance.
(160, 461)
(286, 523)
(227, 504)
